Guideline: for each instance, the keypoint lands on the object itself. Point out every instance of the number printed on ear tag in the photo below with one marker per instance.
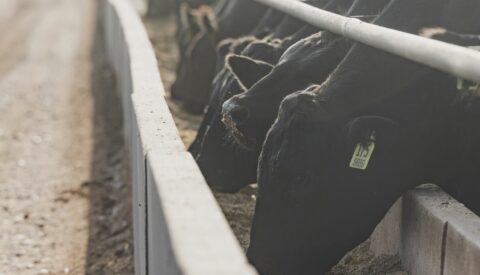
(362, 154)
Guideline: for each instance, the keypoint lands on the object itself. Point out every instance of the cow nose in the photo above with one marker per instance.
(238, 113)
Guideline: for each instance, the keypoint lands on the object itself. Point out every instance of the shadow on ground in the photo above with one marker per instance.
(110, 245)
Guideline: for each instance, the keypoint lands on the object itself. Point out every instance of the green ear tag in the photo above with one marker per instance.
(466, 85)
(362, 154)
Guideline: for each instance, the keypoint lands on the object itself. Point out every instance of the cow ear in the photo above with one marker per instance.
(246, 70)
(209, 22)
(364, 129)
(188, 19)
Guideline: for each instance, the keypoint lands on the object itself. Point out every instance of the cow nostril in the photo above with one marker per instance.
(238, 114)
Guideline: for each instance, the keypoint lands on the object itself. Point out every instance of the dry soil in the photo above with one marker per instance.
(64, 198)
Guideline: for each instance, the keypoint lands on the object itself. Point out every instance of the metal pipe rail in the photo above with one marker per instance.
(455, 60)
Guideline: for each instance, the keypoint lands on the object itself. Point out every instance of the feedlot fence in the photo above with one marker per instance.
(178, 226)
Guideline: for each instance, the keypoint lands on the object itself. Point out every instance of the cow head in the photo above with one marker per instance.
(309, 197)
(225, 166)
(251, 114)
(191, 21)
(225, 83)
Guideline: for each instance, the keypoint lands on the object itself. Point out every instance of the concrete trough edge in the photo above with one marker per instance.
(430, 231)
(178, 226)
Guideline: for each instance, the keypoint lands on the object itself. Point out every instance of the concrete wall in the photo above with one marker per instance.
(432, 233)
(141, 6)
(178, 226)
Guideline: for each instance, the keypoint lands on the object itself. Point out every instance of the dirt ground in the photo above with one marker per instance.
(239, 208)
(64, 198)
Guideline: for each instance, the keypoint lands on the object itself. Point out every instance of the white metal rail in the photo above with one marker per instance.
(456, 60)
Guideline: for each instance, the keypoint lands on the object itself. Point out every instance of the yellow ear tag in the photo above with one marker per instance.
(362, 154)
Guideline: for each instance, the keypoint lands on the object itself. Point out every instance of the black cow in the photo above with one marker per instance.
(191, 22)
(215, 155)
(309, 61)
(266, 51)
(312, 206)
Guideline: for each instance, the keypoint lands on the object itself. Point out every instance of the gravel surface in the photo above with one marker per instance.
(239, 208)
(64, 200)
